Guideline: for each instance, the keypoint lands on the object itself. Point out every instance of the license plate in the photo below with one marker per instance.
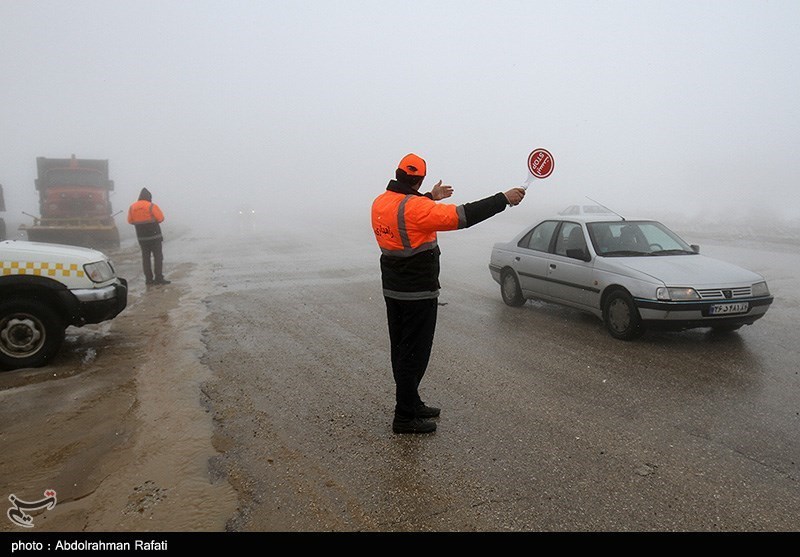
(726, 309)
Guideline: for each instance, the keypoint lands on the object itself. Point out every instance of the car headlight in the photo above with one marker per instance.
(99, 271)
(676, 293)
(760, 289)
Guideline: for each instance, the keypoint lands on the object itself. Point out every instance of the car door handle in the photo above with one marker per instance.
(516, 259)
(552, 265)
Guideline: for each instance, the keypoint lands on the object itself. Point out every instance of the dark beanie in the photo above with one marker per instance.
(145, 195)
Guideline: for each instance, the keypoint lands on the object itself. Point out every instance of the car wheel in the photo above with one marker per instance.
(621, 317)
(509, 288)
(31, 334)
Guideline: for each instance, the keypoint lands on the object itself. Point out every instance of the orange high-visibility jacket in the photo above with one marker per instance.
(143, 211)
(405, 223)
(146, 216)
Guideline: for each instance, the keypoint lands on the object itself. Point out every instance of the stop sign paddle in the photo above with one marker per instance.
(540, 164)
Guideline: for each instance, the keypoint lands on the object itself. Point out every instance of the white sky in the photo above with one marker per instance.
(296, 107)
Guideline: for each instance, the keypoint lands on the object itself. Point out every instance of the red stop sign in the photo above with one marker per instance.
(541, 163)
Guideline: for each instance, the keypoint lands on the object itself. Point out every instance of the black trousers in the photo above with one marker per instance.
(412, 324)
(151, 249)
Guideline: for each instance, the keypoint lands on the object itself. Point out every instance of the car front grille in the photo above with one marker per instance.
(724, 293)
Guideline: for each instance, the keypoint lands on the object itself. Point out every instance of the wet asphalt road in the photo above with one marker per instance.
(548, 424)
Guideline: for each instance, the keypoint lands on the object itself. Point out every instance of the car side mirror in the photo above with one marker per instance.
(579, 253)
(695, 248)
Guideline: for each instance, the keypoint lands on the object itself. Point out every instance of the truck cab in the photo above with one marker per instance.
(74, 203)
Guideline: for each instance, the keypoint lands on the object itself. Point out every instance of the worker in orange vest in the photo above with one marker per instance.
(405, 223)
(146, 216)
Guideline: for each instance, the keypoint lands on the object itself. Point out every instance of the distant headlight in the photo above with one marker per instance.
(674, 293)
(100, 271)
(760, 289)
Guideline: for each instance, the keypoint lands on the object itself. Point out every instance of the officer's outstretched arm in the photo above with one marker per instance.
(479, 211)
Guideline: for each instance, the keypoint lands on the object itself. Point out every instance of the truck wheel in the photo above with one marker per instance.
(31, 334)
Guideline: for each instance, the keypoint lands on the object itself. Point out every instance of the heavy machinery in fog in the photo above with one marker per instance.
(74, 203)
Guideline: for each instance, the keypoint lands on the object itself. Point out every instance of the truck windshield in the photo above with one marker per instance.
(74, 177)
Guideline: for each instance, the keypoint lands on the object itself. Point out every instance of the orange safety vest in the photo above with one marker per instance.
(143, 211)
(406, 224)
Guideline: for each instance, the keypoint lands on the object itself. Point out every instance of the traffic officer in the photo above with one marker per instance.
(405, 223)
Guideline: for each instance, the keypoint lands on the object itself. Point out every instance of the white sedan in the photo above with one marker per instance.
(632, 274)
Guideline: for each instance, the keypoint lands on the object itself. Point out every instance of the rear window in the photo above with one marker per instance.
(539, 238)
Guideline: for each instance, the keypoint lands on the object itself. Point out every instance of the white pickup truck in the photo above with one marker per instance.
(45, 288)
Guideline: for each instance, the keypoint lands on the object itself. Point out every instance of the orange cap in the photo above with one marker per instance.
(412, 165)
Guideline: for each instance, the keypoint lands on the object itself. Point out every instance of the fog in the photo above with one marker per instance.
(300, 110)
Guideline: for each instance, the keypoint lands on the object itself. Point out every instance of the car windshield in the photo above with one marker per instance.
(636, 238)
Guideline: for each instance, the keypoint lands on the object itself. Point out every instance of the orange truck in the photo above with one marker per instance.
(74, 203)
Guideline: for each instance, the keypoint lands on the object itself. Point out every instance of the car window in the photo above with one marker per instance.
(570, 237)
(539, 238)
(630, 238)
(602, 237)
(658, 238)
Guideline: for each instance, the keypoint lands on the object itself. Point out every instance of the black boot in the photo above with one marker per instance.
(425, 411)
(413, 425)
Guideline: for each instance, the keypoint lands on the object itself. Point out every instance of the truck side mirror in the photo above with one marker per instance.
(695, 248)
